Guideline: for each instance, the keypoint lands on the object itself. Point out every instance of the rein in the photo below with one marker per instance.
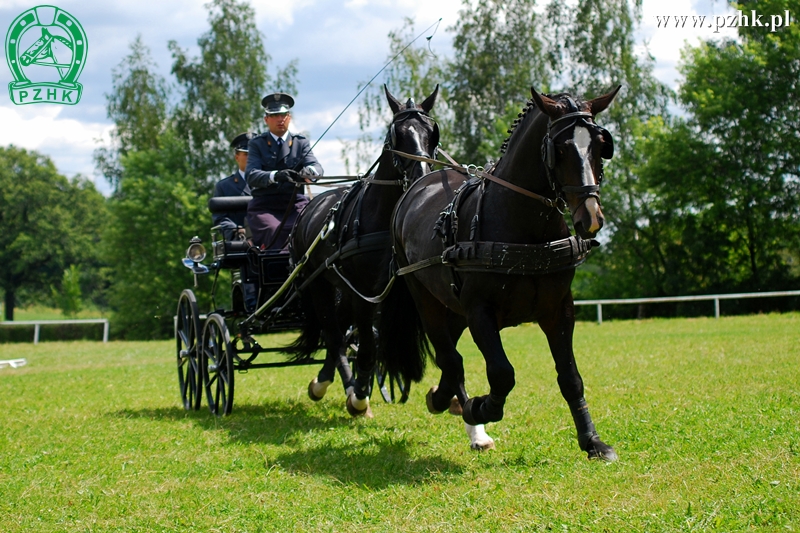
(472, 170)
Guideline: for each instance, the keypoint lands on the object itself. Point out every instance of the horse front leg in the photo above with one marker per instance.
(559, 332)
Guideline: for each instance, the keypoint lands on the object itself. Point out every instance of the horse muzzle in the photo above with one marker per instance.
(588, 218)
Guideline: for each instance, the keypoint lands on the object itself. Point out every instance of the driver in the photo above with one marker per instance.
(278, 163)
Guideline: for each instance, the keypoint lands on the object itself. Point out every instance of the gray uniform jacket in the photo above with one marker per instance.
(264, 156)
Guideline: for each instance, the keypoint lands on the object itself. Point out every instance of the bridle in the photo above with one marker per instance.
(583, 192)
(405, 165)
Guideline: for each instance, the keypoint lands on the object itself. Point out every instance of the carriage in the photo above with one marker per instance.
(213, 347)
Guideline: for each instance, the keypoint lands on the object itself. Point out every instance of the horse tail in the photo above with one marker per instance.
(402, 345)
(310, 340)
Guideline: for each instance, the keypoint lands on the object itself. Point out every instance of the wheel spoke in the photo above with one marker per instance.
(186, 330)
(216, 365)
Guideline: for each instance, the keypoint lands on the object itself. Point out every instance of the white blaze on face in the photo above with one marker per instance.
(420, 151)
(583, 140)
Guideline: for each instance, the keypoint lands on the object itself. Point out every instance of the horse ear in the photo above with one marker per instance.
(394, 104)
(427, 105)
(599, 104)
(546, 105)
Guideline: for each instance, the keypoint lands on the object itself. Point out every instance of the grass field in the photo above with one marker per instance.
(703, 413)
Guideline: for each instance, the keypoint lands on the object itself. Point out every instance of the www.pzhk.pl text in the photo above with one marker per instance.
(738, 20)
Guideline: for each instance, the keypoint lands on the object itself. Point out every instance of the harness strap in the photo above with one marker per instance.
(510, 258)
(419, 265)
(371, 299)
(370, 242)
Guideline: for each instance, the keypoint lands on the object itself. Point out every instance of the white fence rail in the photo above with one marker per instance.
(715, 297)
(38, 323)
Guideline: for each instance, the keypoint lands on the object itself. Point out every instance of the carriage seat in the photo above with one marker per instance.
(229, 204)
(229, 253)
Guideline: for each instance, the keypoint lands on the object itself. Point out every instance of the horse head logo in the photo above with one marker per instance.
(46, 51)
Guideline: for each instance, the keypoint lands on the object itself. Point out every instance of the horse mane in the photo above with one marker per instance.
(565, 99)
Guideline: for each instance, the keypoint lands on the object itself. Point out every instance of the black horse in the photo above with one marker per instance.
(494, 251)
(355, 255)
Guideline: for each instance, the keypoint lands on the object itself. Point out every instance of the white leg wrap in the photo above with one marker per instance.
(320, 388)
(478, 439)
(360, 405)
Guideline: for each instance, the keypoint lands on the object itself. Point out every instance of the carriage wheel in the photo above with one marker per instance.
(390, 390)
(187, 331)
(216, 363)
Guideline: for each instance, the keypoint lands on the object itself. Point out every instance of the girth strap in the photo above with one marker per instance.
(510, 258)
(371, 242)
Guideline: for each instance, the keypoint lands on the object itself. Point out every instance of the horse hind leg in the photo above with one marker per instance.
(358, 399)
(322, 313)
(319, 385)
(499, 371)
(443, 329)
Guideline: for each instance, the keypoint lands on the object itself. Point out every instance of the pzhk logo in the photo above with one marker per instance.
(48, 45)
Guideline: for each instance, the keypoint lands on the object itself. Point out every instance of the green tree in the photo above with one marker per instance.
(154, 214)
(499, 55)
(717, 192)
(48, 221)
(223, 87)
(68, 297)
(138, 107)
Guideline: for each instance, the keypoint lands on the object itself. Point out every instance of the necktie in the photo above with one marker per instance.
(279, 142)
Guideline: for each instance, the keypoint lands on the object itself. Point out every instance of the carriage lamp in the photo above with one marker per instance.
(196, 251)
(194, 254)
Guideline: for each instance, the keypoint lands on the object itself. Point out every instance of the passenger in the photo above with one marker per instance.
(278, 164)
(234, 185)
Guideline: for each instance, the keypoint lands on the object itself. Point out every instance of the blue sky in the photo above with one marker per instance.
(338, 44)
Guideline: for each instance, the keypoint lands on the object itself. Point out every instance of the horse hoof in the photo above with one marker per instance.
(599, 450)
(478, 439)
(358, 407)
(429, 401)
(317, 390)
(455, 407)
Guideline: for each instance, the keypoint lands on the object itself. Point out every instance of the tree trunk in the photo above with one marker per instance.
(9, 305)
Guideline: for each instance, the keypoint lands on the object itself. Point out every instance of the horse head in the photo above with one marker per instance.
(573, 150)
(414, 132)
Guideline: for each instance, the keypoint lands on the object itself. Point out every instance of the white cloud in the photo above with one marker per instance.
(338, 45)
(69, 142)
(681, 22)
